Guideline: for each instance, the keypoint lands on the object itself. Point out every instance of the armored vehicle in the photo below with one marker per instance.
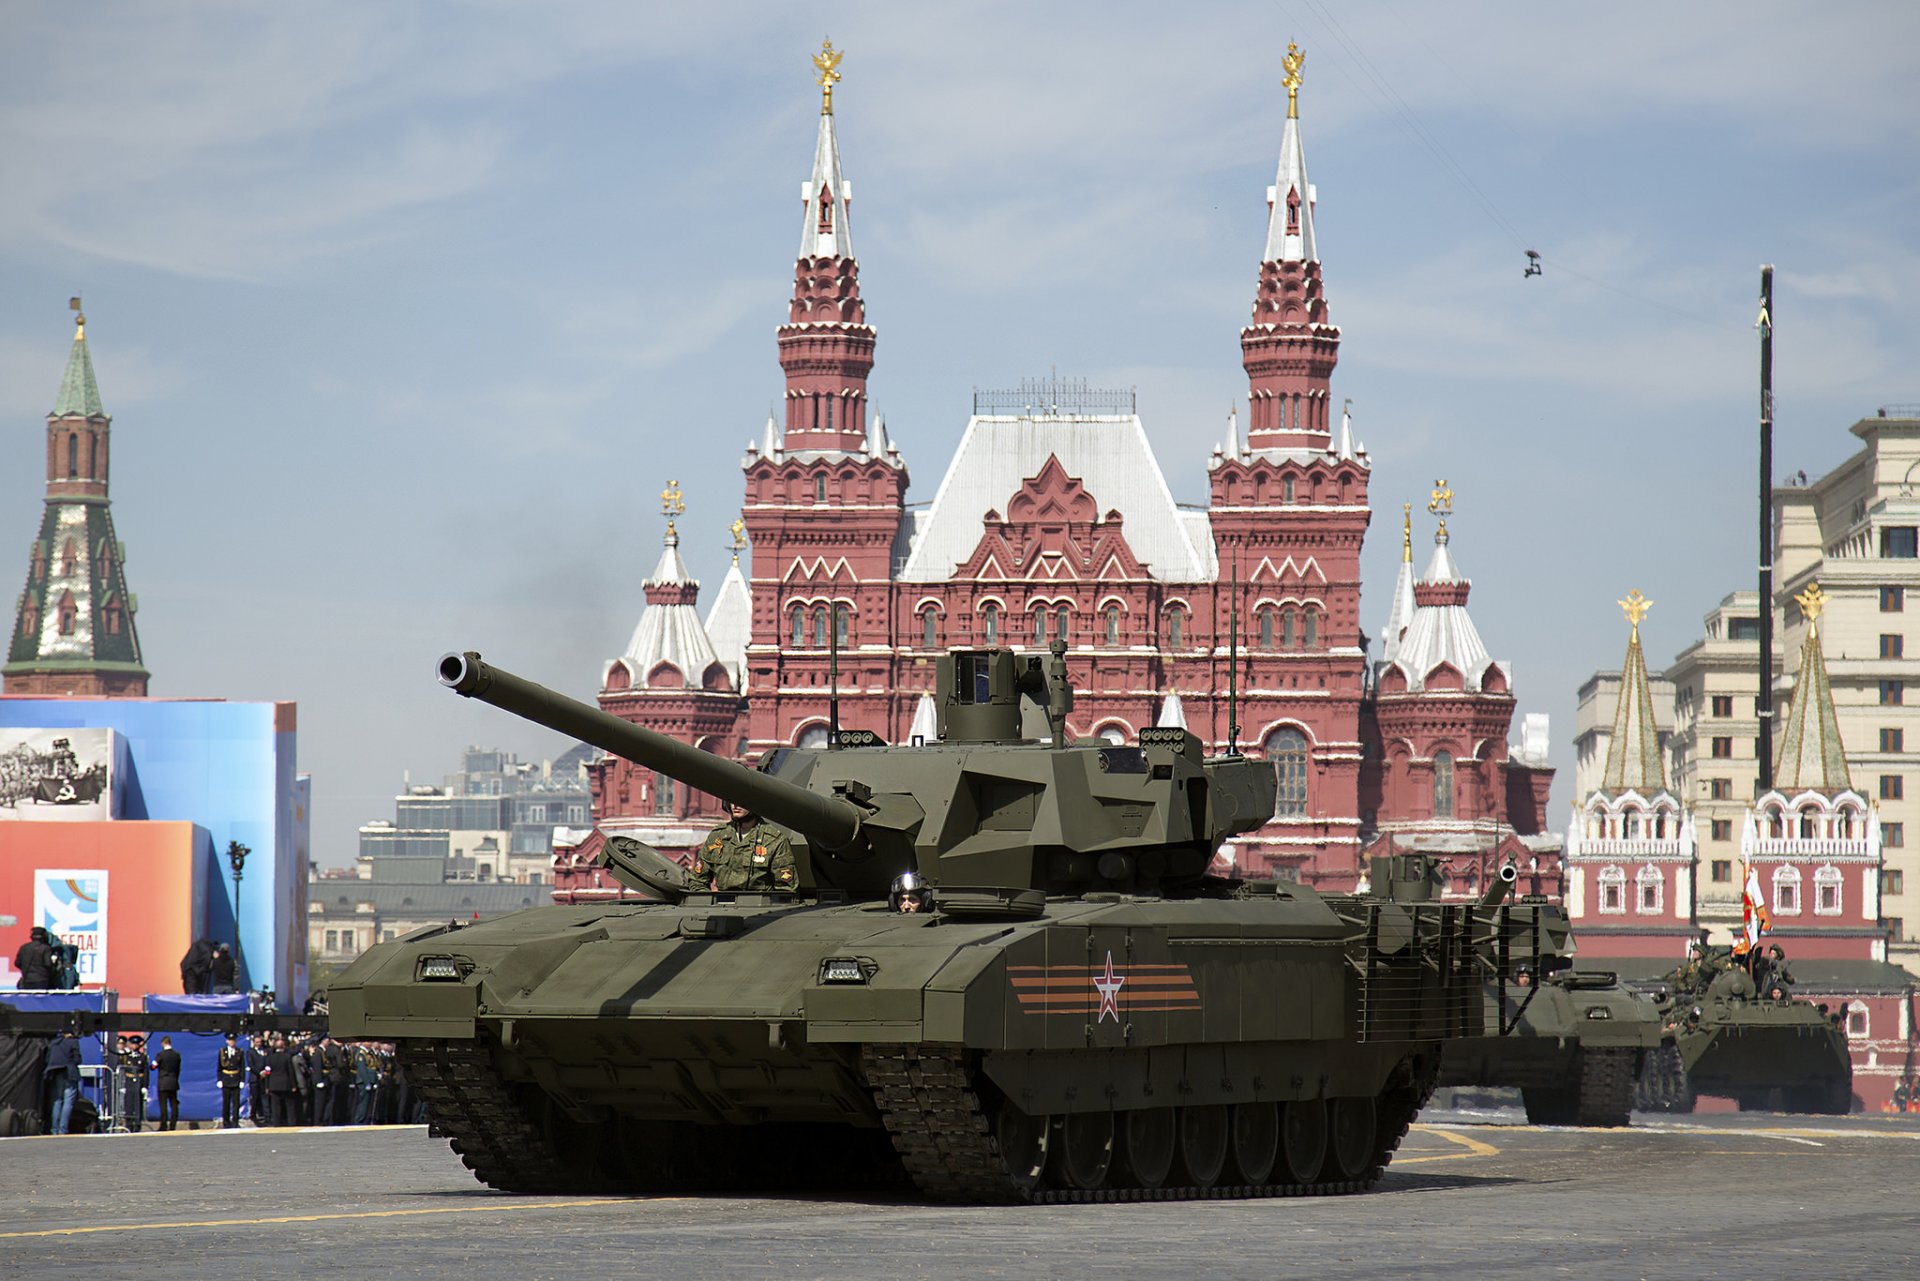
(1573, 1042)
(1767, 1050)
(1069, 1008)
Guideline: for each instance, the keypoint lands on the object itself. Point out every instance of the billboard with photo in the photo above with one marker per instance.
(60, 775)
(71, 904)
(230, 768)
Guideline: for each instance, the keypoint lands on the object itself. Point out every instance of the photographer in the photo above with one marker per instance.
(35, 961)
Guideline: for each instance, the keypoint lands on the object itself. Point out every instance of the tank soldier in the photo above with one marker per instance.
(743, 854)
(909, 894)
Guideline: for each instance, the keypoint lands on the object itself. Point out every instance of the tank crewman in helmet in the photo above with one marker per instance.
(743, 853)
(909, 894)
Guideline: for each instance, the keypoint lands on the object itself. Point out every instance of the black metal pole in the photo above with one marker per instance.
(239, 951)
(1233, 663)
(833, 680)
(1763, 698)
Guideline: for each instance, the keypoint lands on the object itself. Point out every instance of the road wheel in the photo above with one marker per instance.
(1303, 1139)
(1082, 1150)
(1022, 1141)
(1148, 1138)
(1351, 1129)
(1204, 1134)
(1256, 1140)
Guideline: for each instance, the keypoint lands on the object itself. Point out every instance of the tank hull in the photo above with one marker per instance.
(796, 1033)
(1574, 1048)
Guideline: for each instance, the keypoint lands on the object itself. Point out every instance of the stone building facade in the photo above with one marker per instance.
(1053, 520)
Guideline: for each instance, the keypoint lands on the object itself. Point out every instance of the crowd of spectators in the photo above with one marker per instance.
(277, 1079)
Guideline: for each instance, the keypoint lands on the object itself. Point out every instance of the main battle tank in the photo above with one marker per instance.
(1768, 1051)
(1083, 1012)
(1573, 1042)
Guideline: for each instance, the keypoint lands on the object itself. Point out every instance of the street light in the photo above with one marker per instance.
(237, 858)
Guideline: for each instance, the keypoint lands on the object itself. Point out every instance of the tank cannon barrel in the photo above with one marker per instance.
(1501, 886)
(833, 823)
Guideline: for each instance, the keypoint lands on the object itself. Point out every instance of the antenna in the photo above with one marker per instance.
(833, 677)
(1763, 697)
(1233, 663)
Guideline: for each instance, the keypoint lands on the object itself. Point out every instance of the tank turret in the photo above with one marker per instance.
(986, 810)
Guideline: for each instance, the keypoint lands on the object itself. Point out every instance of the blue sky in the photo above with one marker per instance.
(406, 313)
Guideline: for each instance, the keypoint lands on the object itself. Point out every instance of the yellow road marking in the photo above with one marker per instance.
(1474, 1147)
(493, 1208)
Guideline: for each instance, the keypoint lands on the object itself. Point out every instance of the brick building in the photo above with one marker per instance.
(1053, 520)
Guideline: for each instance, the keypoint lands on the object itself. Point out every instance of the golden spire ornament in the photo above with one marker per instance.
(1635, 606)
(828, 63)
(1441, 504)
(739, 542)
(1406, 532)
(1292, 61)
(1812, 602)
(79, 318)
(671, 505)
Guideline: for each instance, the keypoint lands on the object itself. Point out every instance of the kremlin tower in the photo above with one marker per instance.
(73, 629)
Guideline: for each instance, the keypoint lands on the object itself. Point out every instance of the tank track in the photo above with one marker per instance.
(1606, 1086)
(942, 1134)
(485, 1125)
(1662, 1085)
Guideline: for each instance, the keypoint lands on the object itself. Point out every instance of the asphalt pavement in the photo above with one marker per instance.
(1471, 1195)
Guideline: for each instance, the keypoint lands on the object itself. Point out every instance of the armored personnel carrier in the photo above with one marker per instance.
(1076, 1011)
(1573, 1042)
(1767, 1050)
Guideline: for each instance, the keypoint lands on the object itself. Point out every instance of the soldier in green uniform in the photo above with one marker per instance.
(743, 853)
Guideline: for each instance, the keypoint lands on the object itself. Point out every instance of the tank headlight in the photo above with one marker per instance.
(1599, 1012)
(842, 969)
(439, 969)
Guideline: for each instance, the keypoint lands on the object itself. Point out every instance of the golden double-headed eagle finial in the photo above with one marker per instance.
(1441, 503)
(1292, 61)
(1406, 531)
(1812, 602)
(828, 63)
(1635, 607)
(739, 541)
(79, 318)
(671, 504)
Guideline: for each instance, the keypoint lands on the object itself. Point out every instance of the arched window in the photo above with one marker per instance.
(990, 624)
(1286, 489)
(1113, 624)
(1809, 824)
(1060, 620)
(1286, 629)
(1630, 827)
(73, 456)
(842, 624)
(819, 489)
(1287, 749)
(1266, 629)
(1443, 784)
(819, 636)
(1613, 890)
(1040, 627)
(798, 616)
(1826, 891)
(1777, 822)
(1176, 628)
(1651, 885)
(1310, 630)
(1786, 891)
(929, 628)
(1843, 826)
(1857, 1025)
(68, 613)
(662, 793)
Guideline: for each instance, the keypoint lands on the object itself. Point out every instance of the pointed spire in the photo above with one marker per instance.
(729, 622)
(1345, 448)
(1811, 755)
(1233, 430)
(925, 727)
(669, 630)
(1290, 199)
(79, 394)
(1401, 613)
(770, 439)
(1291, 347)
(1173, 713)
(1634, 760)
(824, 232)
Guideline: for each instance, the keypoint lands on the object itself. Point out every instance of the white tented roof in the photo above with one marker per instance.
(1108, 454)
(730, 623)
(668, 633)
(1292, 176)
(1442, 633)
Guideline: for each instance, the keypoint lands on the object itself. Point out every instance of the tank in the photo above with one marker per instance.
(1573, 1042)
(1768, 1050)
(1078, 1012)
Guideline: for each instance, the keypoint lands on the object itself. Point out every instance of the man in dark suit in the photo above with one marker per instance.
(166, 1073)
(280, 1083)
(232, 1069)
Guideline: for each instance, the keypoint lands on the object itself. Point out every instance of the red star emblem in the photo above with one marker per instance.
(1108, 986)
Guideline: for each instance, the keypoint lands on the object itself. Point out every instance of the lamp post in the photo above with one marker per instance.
(237, 859)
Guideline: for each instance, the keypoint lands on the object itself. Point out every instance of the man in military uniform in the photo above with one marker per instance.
(232, 1069)
(743, 853)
